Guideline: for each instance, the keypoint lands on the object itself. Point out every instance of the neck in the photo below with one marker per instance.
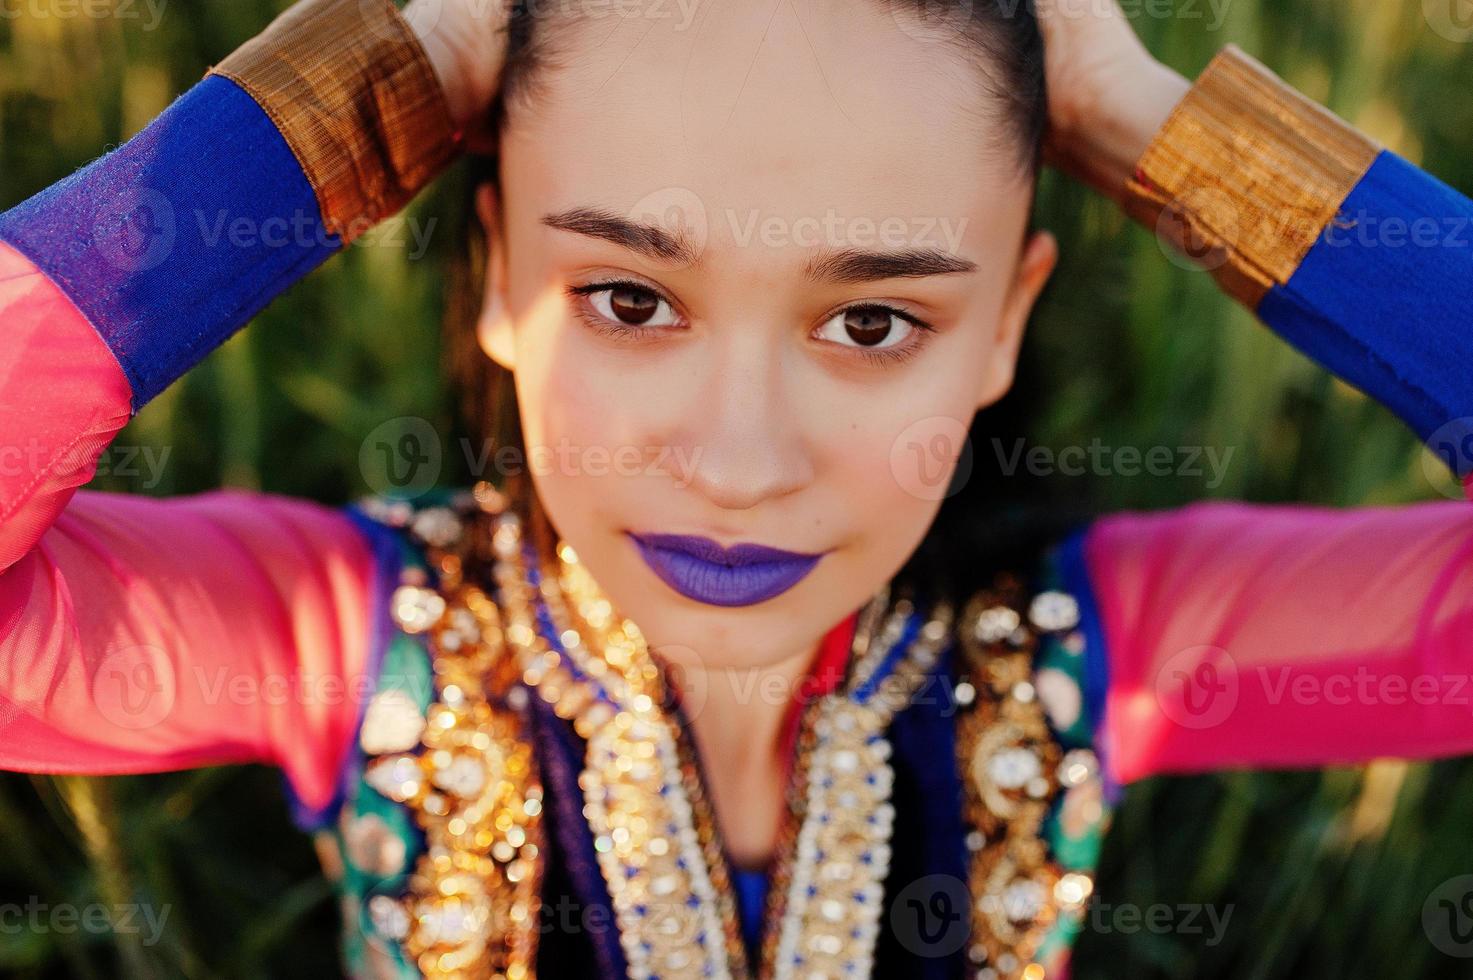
(738, 719)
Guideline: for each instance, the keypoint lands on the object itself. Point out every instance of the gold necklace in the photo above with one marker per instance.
(657, 845)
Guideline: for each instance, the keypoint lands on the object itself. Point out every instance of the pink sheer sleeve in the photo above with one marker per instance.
(1283, 636)
(141, 635)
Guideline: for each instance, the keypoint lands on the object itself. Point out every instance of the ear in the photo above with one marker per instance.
(494, 328)
(1035, 265)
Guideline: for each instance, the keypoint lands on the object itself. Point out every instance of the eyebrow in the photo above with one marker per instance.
(855, 265)
(648, 240)
(847, 265)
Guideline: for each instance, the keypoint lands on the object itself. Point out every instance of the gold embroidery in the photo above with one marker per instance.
(1246, 173)
(1013, 771)
(670, 919)
(835, 893)
(474, 790)
(472, 781)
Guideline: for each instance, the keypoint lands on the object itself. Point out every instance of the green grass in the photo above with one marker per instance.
(1322, 874)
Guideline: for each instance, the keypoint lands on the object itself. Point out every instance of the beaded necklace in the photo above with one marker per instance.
(654, 832)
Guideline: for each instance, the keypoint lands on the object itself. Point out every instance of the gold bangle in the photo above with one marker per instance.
(1246, 173)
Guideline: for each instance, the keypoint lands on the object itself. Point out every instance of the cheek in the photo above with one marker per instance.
(915, 427)
(902, 453)
(584, 427)
(894, 477)
(560, 390)
(890, 466)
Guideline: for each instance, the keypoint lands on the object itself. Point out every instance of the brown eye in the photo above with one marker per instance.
(867, 326)
(631, 306)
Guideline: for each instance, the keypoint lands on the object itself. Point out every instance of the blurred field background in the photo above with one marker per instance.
(1324, 875)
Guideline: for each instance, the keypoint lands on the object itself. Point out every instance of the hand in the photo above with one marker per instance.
(466, 42)
(1107, 96)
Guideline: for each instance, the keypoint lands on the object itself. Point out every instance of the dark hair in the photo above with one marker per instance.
(995, 518)
(1001, 39)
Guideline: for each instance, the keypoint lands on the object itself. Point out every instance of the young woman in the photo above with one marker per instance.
(747, 268)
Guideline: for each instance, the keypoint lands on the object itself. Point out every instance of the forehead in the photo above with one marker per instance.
(762, 108)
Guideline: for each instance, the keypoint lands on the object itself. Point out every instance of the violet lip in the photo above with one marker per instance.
(701, 569)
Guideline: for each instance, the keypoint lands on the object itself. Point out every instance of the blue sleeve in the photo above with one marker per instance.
(1385, 300)
(172, 242)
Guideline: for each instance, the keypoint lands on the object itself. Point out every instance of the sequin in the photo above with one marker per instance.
(1012, 768)
(392, 723)
(388, 917)
(416, 609)
(373, 846)
(1060, 695)
(451, 922)
(1053, 611)
(386, 510)
(398, 778)
(463, 776)
(1078, 766)
(1072, 889)
(1023, 900)
(996, 624)
(437, 526)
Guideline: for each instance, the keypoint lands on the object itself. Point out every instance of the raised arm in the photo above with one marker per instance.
(1226, 634)
(1355, 256)
(142, 634)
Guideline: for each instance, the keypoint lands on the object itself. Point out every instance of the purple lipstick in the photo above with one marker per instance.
(742, 575)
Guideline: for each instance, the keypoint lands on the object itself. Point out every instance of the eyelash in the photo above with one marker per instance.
(623, 331)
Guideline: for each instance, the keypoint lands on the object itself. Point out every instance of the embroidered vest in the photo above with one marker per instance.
(519, 757)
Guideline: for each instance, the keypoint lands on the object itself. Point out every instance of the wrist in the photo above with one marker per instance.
(1102, 144)
(468, 71)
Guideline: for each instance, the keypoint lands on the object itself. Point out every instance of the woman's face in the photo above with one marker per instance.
(754, 274)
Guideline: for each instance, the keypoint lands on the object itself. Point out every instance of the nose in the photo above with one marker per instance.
(744, 435)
